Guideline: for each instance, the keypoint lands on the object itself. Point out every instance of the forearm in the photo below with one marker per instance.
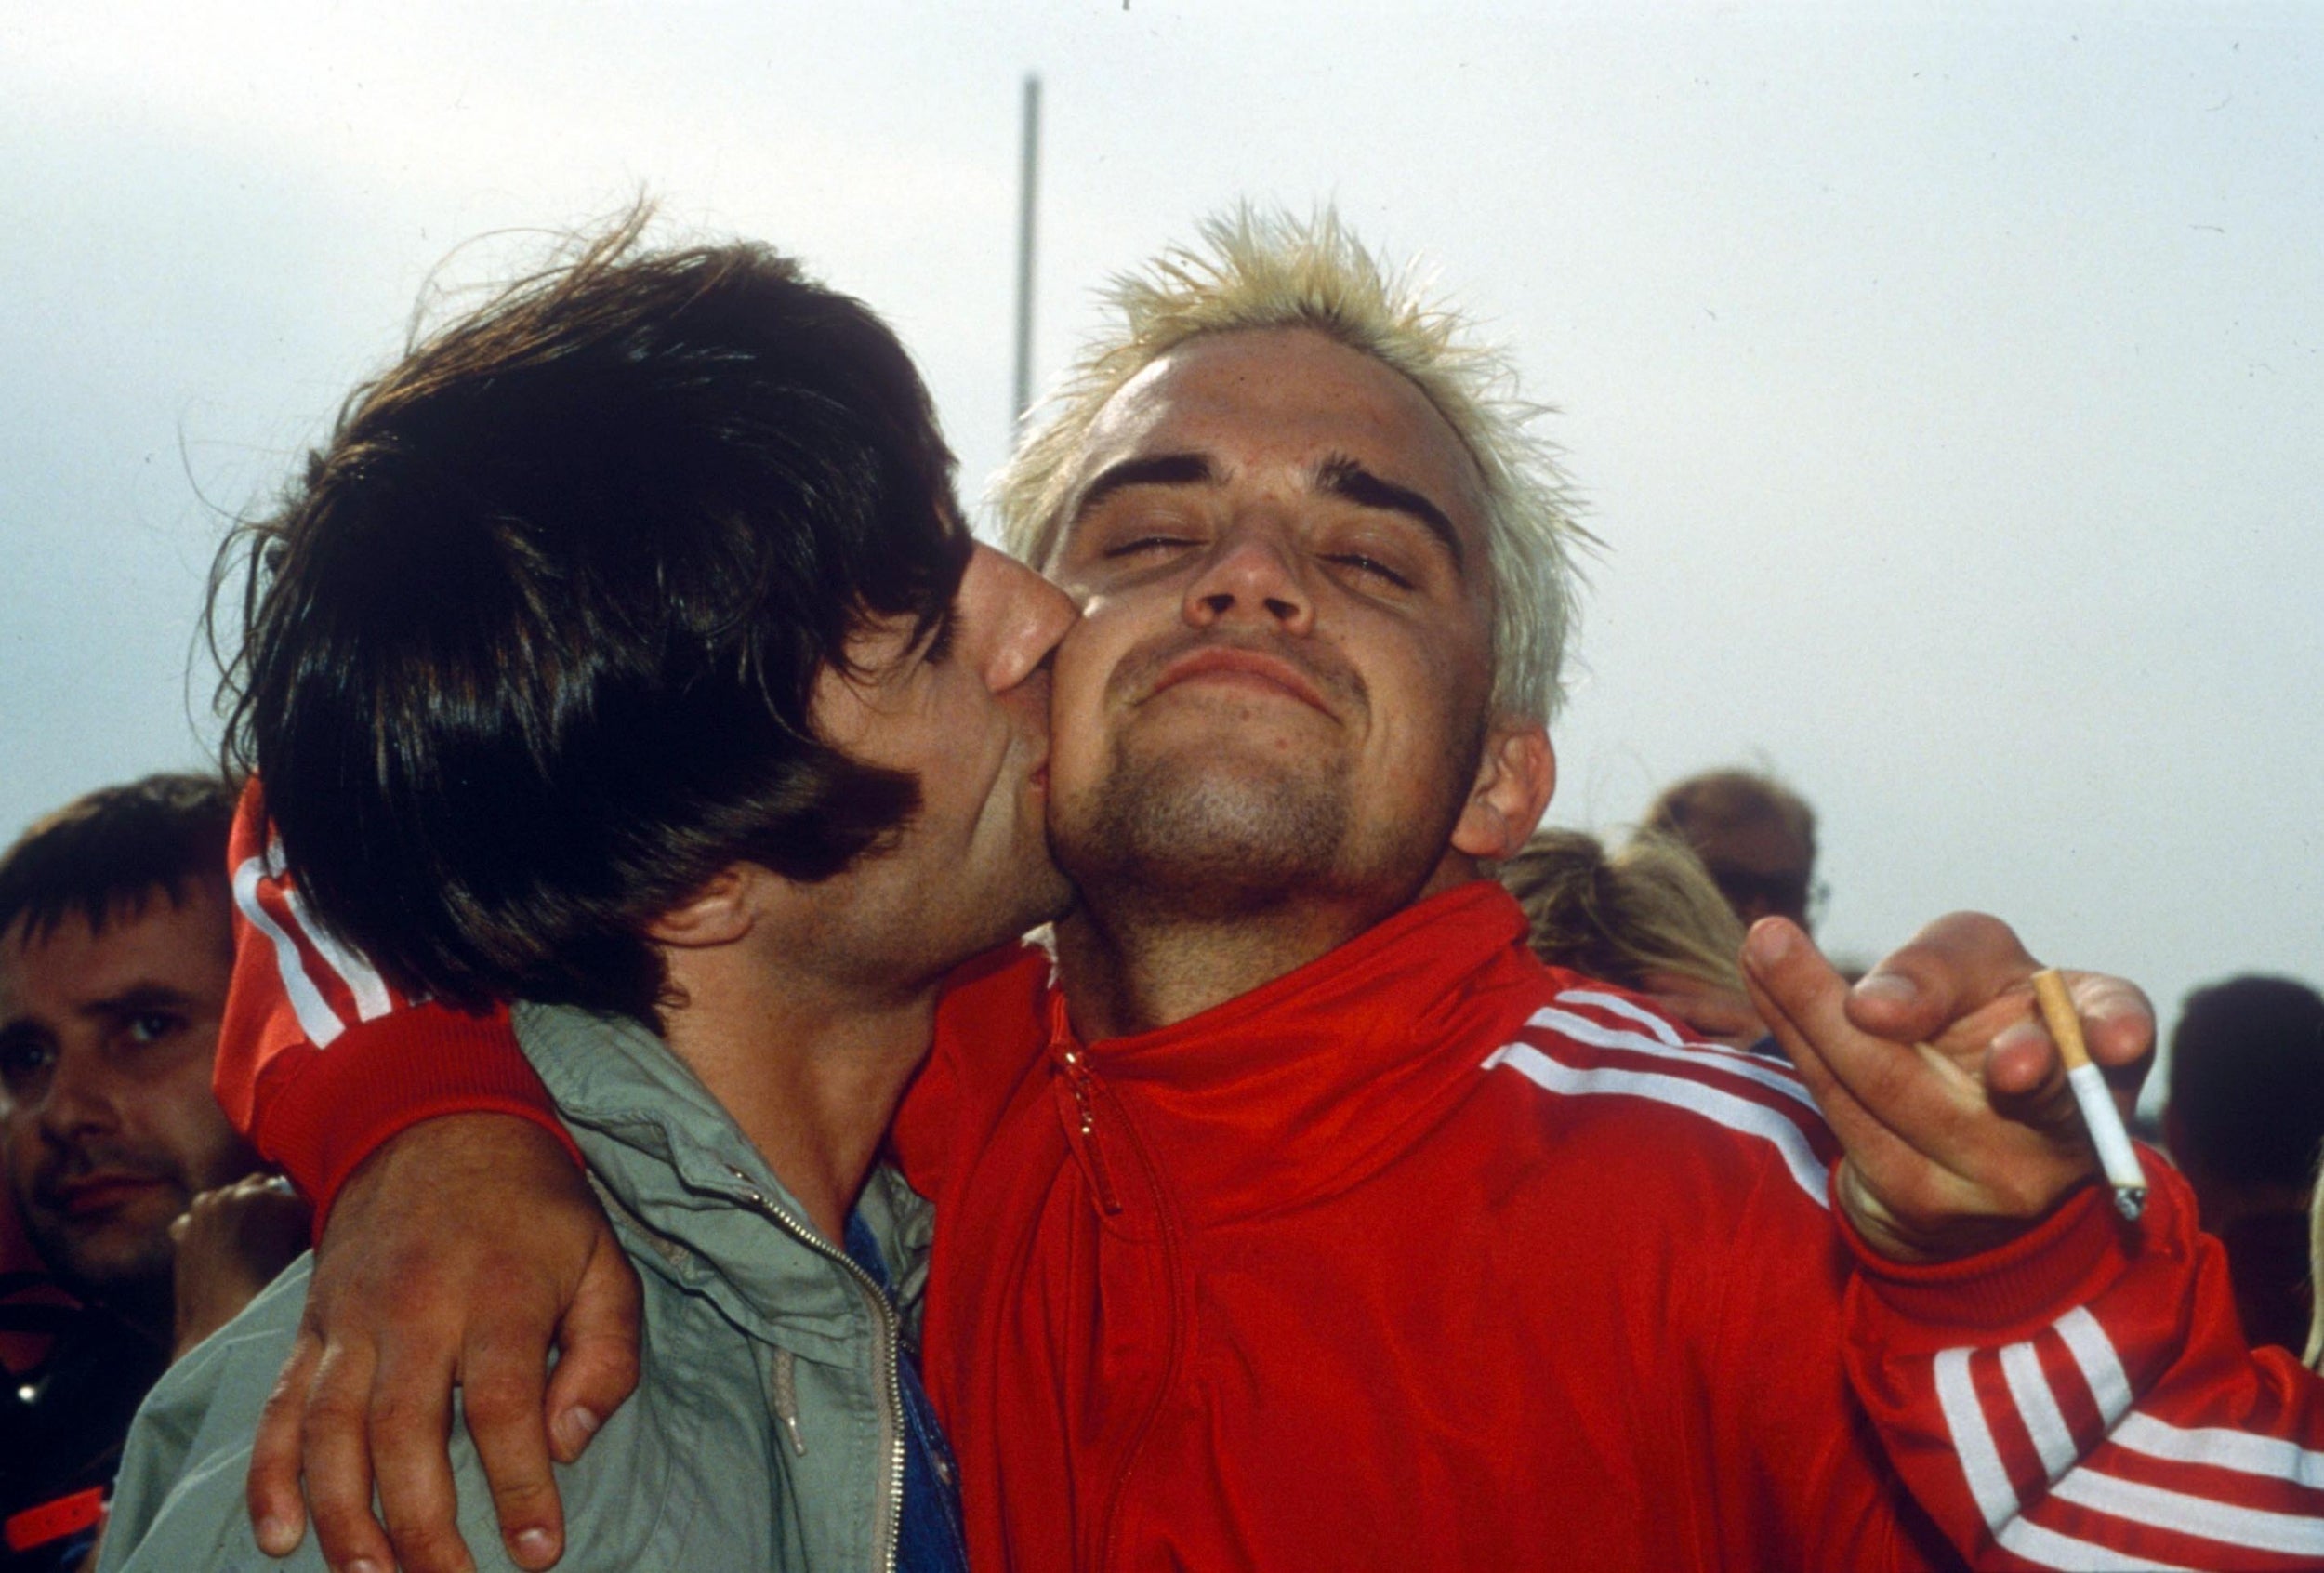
(2085, 1396)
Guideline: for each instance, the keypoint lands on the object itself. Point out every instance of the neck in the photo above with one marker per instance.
(1130, 966)
(811, 1071)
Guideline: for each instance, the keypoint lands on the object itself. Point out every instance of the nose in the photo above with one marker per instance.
(78, 1100)
(1250, 577)
(1012, 616)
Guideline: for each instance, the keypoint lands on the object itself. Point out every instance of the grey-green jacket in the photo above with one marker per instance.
(766, 1431)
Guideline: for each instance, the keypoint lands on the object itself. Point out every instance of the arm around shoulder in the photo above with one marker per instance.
(2083, 1396)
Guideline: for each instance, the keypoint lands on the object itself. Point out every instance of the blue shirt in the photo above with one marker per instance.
(928, 1526)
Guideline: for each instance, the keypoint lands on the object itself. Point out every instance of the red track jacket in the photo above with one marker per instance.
(1428, 1256)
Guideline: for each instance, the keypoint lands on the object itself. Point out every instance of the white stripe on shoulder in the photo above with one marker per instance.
(1624, 1008)
(1750, 1068)
(316, 1018)
(372, 999)
(2241, 1452)
(1724, 1108)
(1972, 1440)
(1662, 1027)
(2253, 1528)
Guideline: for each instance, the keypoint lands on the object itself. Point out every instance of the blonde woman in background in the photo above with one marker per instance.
(1647, 918)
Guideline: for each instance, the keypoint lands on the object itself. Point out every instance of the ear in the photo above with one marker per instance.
(719, 913)
(1515, 780)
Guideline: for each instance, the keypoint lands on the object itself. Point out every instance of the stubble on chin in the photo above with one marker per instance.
(1203, 839)
(126, 1257)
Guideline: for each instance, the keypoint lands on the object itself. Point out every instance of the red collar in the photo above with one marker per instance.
(1303, 1087)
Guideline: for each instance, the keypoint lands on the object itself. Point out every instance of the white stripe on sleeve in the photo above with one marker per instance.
(372, 999)
(1996, 1498)
(2094, 1352)
(1722, 1108)
(1972, 1440)
(2270, 1457)
(2255, 1529)
(2051, 1549)
(2037, 1406)
(316, 1018)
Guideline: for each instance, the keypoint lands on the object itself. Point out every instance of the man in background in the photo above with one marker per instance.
(2245, 1119)
(115, 949)
(1756, 836)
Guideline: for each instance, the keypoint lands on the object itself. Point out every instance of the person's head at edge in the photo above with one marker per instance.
(1324, 571)
(646, 571)
(2245, 1112)
(116, 950)
(1755, 835)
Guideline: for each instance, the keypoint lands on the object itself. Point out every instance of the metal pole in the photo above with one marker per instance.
(1028, 180)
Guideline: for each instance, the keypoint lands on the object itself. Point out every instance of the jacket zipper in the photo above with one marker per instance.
(1082, 1136)
(1081, 1084)
(891, 1504)
(1071, 1059)
(1167, 1230)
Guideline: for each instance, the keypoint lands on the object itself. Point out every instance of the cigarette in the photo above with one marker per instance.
(2105, 1122)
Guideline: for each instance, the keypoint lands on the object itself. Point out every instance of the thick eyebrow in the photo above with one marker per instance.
(1154, 469)
(138, 998)
(1341, 476)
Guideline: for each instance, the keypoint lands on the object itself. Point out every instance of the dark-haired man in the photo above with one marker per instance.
(624, 653)
(1755, 835)
(2245, 1120)
(1296, 1217)
(115, 948)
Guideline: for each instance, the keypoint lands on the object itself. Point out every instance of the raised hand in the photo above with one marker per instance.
(457, 1254)
(228, 1245)
(1937, 1075)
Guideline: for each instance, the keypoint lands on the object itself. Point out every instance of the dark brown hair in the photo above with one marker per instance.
(530, 652)
(104, 855)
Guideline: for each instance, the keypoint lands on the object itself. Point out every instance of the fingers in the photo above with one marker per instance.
(1949, 970)
(452, 1255)
(2117, 1025)
(1965, 975)
(408, 1424)
(335, 1434)
(1861, 1081)
(599, 1337)
(501, 1383)
(1917, 1125)
(278, 1513)
(1939, 1080)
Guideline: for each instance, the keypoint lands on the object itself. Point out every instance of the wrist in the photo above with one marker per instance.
(1890, 1238)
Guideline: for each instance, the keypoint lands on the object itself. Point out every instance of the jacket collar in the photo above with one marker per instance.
(674, 1166)
(1303, 1087)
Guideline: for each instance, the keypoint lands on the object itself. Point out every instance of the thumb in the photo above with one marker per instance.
(597, 1368)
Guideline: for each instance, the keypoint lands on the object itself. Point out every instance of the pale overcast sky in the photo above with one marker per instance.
(1946, 384)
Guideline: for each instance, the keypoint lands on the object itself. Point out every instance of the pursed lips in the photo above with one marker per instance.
(1232, 663)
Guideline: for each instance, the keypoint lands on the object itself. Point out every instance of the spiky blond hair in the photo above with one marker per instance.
(1264, 269)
